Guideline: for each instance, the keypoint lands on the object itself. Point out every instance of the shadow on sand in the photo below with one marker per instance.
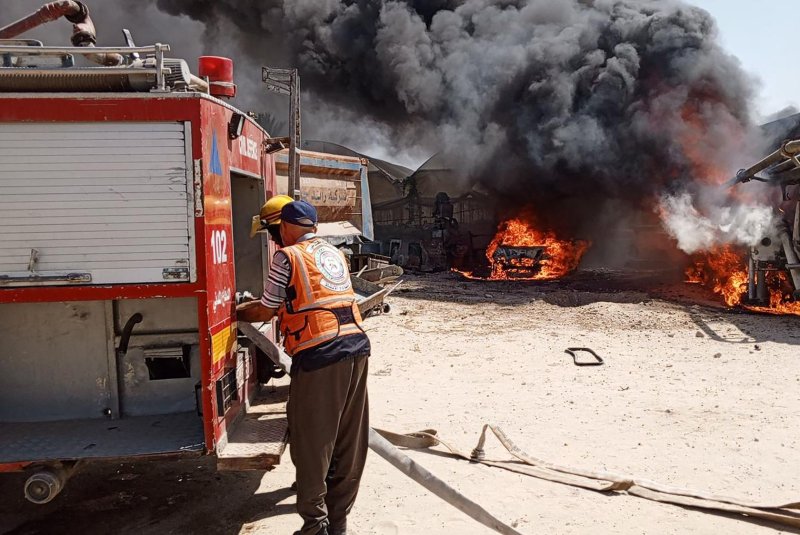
(143, 498)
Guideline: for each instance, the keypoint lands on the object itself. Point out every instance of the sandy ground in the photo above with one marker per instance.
(690, 395)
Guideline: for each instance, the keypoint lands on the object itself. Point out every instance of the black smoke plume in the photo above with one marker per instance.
(539, 98)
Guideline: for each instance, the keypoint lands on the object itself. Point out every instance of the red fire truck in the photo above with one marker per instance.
(125, 188)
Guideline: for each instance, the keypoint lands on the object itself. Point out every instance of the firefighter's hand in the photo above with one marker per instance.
(247, 305)
(253, 311)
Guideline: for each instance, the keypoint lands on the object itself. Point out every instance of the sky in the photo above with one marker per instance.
(760, 34)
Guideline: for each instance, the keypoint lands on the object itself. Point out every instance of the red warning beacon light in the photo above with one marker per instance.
(219, 72)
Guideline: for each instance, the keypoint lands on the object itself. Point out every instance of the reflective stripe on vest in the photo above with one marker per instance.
(319, 289)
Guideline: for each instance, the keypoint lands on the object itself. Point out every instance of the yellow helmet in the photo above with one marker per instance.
(270, 214)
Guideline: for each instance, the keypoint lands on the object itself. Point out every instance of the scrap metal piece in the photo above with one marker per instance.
(572, 350)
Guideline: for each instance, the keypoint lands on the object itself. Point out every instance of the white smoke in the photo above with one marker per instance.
(701, 228)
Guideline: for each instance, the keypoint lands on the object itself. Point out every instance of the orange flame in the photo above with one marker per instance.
(559, 257)
(723, 270)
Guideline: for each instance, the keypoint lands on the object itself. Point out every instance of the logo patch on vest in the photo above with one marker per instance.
(333, 269)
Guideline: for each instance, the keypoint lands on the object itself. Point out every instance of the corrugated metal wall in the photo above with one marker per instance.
(108, 199)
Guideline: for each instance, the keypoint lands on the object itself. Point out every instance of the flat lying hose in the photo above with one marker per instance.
(604, 481)
(405, 464)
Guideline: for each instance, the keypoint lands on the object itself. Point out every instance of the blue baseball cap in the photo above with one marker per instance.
(299, 213)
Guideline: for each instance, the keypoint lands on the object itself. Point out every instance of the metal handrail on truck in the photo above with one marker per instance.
(156, 50)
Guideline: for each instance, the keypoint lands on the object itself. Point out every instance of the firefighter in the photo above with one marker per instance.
(309, 290)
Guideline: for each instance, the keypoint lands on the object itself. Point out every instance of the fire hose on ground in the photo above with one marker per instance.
(381, 443)
(385, 444)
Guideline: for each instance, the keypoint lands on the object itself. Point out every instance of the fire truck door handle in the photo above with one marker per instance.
(73, 278)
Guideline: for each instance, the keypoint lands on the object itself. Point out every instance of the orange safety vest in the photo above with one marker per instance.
(320, 303)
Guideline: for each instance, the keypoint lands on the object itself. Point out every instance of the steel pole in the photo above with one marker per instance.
(295, 136)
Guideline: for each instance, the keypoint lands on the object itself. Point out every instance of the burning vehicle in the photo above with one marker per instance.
(766, 276)
(520, 251)
(779, 251)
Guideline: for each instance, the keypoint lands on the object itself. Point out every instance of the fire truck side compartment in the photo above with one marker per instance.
(110, 201)
(63, 385)
(59, 361)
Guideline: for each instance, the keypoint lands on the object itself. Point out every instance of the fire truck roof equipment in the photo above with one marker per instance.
(35, 68)
(83, 31)
(27, 66)
(219, 72)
